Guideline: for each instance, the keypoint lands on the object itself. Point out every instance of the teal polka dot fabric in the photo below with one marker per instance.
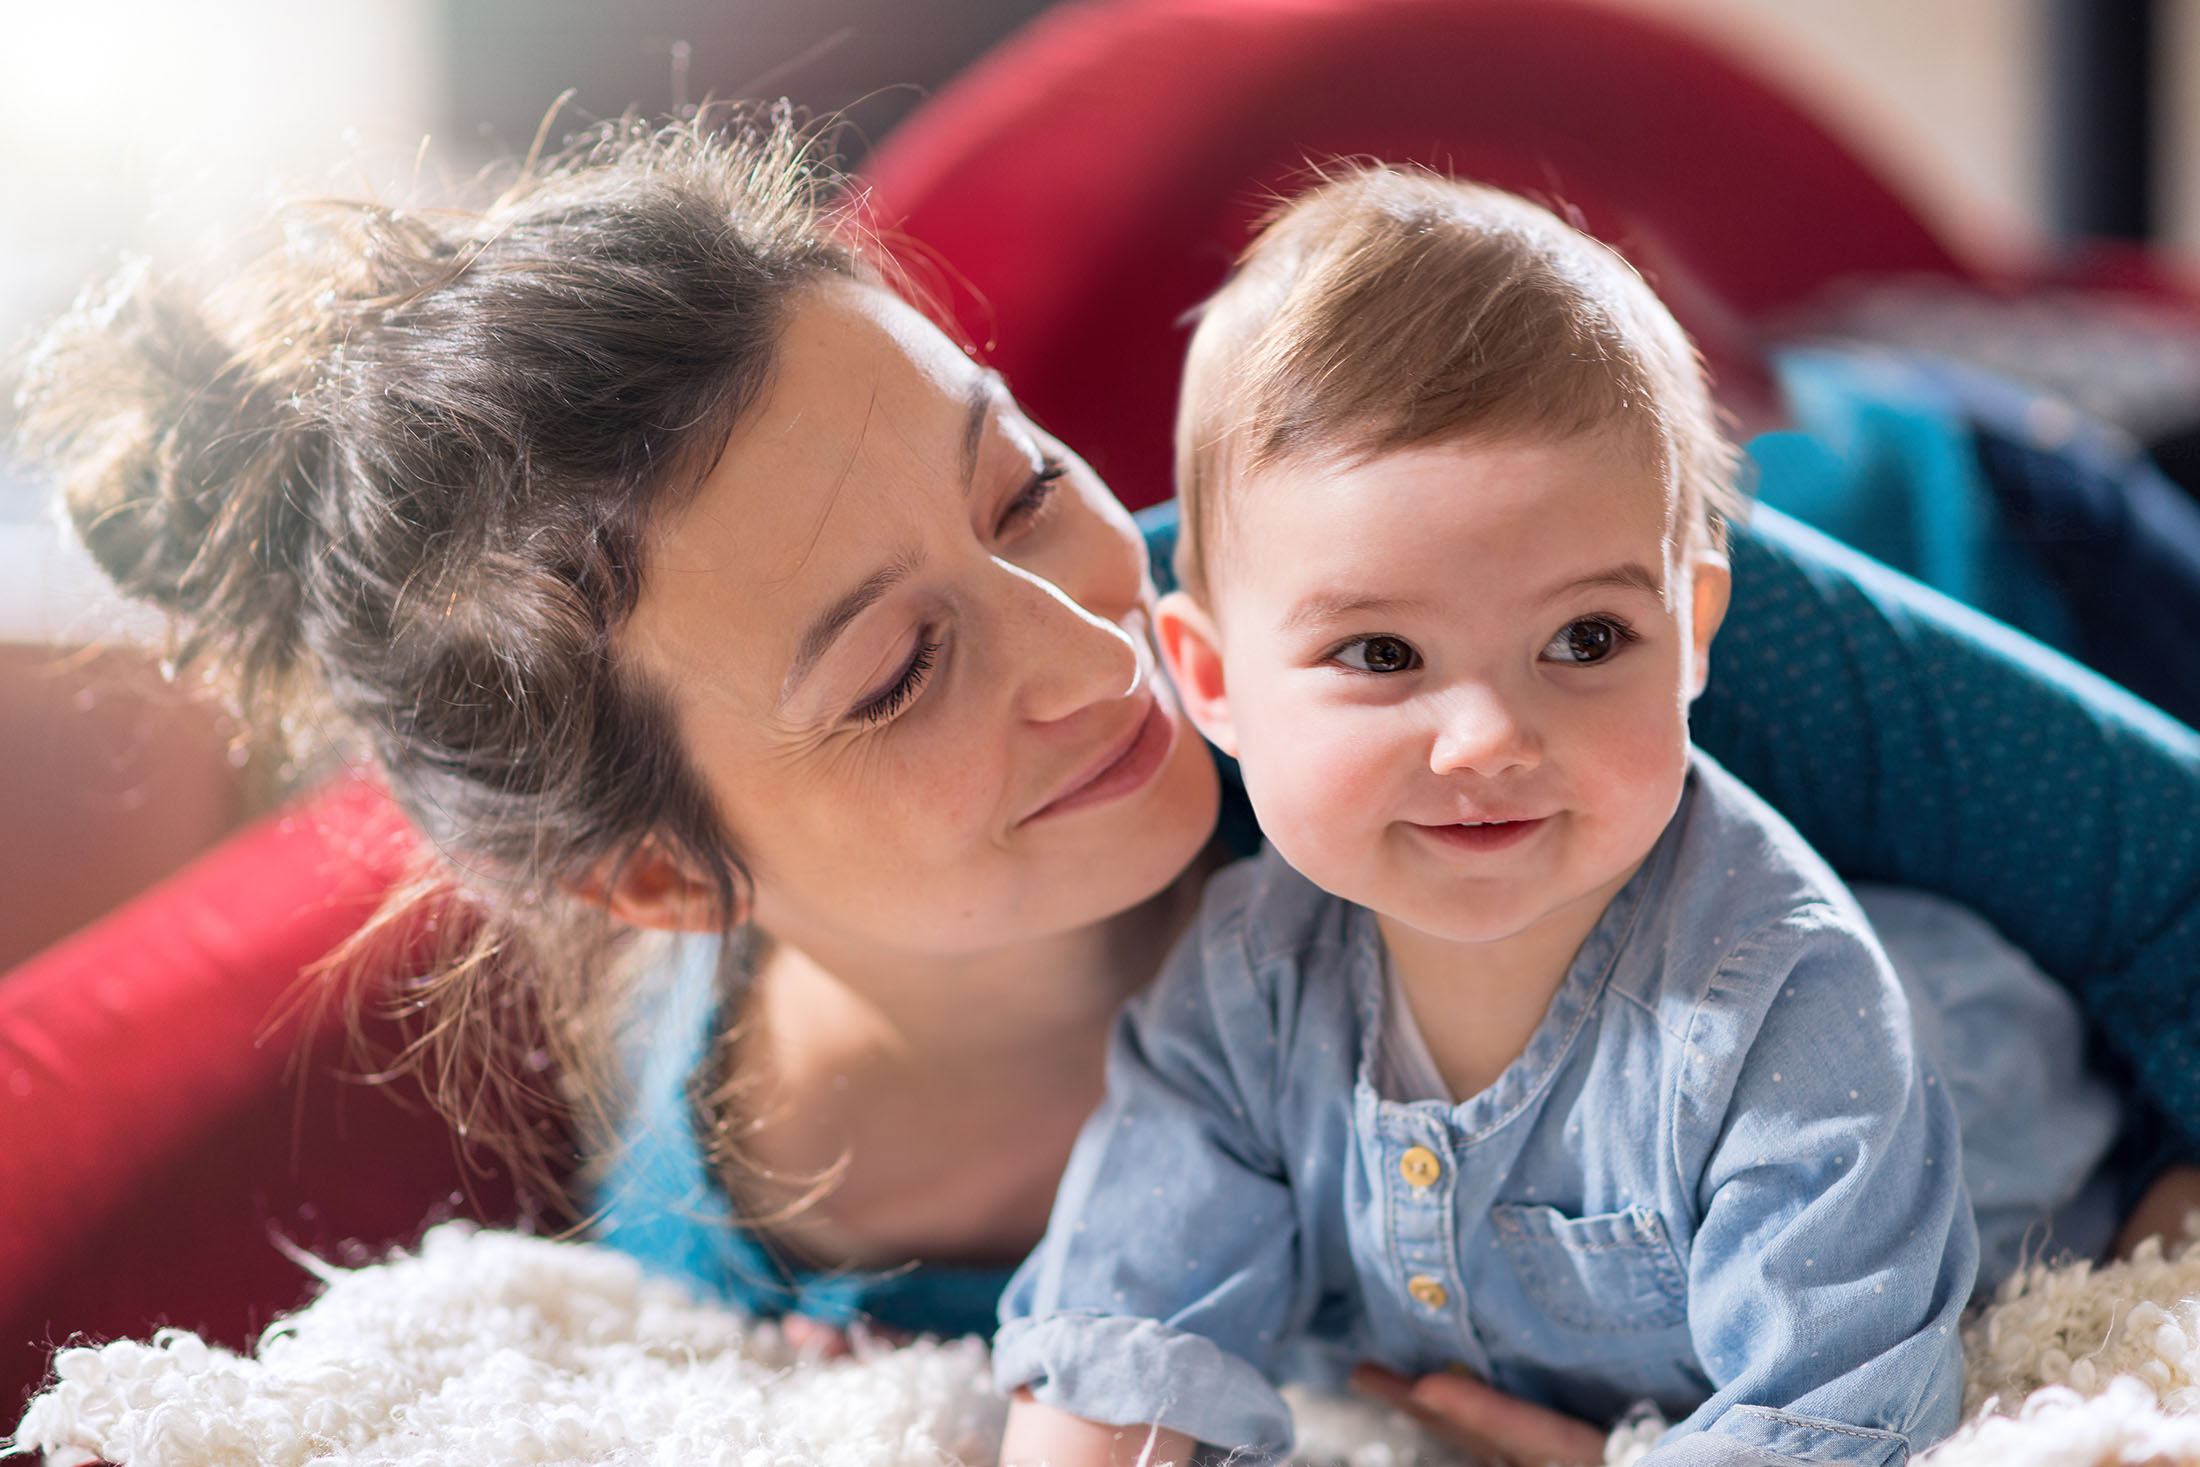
(1912, 740)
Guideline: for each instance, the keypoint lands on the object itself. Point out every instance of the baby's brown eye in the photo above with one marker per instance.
(1591, 639)
(1379, 654)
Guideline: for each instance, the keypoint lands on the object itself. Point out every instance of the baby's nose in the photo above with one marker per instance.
(1481, 731)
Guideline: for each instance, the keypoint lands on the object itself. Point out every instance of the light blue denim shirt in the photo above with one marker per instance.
(1722, 1176)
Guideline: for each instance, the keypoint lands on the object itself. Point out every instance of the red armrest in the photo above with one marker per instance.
(167, 1104)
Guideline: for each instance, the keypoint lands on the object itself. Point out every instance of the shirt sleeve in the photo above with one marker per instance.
(1170, 1269)
(1836, 1248)
(1915, 742)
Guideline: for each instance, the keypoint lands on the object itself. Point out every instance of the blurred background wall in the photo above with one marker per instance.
(156, 126)
(144, 124)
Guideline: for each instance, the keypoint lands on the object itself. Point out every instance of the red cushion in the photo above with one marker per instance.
(1078, 190)
(105, 1039)
(170, 1098)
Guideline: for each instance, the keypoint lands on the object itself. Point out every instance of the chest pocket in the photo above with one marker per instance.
(1615, 1273)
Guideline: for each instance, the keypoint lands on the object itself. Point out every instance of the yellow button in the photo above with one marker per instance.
(1428, 1291)
(1420, 1166)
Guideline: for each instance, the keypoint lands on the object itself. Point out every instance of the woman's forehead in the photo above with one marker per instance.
(863, 389)
(859, 439)
(843, 344)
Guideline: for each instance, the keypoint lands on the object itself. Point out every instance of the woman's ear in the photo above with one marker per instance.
(1714, 581)
(650, 887)
(1191, 645)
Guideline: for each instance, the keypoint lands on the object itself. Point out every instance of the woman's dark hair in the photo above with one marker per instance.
(400, 467)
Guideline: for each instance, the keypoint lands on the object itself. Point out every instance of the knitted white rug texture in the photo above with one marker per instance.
(497, 1350)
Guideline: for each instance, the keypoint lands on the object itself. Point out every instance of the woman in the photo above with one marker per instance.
(683, 579)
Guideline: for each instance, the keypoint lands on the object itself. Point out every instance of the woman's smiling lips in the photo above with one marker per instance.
(1125, 768)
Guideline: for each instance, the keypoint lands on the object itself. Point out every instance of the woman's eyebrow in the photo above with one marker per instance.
(986, 389)
(834, 619)
(1325, 607)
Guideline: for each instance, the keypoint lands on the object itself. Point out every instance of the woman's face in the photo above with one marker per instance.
(905, 638)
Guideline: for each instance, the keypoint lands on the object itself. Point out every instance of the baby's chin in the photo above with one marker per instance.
(1481, 914)
(1458, 925)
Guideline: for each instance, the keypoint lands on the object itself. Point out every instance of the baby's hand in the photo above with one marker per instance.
(813, 1339)
(1485, 1421)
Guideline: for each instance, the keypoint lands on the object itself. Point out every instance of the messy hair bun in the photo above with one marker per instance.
(173, 458)
(399, 467)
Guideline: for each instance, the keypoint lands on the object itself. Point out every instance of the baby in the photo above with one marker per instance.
(1536, 1046)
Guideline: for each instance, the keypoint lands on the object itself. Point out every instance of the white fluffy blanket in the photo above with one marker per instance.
(495, 1350)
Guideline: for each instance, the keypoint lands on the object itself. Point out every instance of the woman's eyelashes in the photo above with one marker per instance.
(907, 683)
(1032, 499)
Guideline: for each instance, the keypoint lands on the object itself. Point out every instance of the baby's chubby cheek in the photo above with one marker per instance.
(1322, 801)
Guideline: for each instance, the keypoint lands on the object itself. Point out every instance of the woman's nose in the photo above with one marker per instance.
(1480, 730)
(1067, 658)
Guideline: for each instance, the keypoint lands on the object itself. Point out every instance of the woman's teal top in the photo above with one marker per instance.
(1910, 739)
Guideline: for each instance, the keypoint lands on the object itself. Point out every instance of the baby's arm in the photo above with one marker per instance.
(1043, 1436)
(1835, 1248)
(1170, 1270)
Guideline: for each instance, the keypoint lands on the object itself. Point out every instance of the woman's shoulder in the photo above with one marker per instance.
(654, 1192)
(659, 1197)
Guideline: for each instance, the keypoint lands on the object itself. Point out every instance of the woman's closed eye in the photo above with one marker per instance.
(1588, 640)
(876, 708)
(1026, 508)
(1378, 654)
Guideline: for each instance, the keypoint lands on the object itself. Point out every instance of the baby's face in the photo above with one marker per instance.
(1457, 676)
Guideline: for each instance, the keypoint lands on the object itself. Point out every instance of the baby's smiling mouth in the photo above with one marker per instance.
(1481, 836)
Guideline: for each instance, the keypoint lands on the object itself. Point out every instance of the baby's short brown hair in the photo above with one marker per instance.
(1386, 309)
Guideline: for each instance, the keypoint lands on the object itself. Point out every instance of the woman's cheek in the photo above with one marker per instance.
(954, 771)
(908, 792)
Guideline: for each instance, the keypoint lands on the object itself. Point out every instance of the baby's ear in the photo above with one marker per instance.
(650, 887)
(1192, 647)
(1714, 582)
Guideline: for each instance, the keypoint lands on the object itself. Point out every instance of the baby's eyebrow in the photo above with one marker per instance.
(1322, 608)
(1629, 576)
